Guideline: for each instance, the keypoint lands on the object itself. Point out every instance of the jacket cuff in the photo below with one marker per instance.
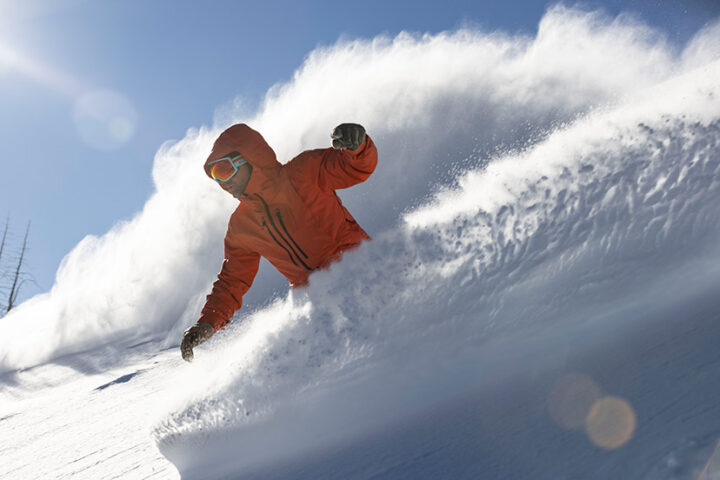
(215, 319)
(362, 147)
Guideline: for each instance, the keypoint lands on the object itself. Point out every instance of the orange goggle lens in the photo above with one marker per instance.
(223, 169)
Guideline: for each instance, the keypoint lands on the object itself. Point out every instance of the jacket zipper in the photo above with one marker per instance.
(282, 224)
(278, 242)
(272, 222)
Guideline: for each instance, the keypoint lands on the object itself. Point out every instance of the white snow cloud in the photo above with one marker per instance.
(608, 211)
(437, 105)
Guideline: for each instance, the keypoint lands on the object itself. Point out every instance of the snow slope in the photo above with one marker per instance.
(617, 211)
(547, 312)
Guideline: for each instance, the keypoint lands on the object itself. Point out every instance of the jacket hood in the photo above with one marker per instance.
(256, 151)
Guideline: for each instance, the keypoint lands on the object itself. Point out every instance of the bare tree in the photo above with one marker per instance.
(3, 273)
(17, 280)
(12, 273)
(4, 236)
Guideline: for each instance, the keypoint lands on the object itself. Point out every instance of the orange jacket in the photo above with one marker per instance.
(290, 214)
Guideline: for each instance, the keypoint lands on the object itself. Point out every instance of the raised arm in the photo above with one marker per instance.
(352, 159)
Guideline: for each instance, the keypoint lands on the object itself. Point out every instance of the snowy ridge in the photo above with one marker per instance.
(612, 210)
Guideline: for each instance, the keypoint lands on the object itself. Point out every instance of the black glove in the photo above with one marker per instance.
(348, 135)
(194, 336)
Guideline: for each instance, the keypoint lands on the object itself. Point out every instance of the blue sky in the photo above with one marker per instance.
(168, 65)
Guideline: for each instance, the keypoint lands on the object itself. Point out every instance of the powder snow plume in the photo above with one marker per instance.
(440, 108)
(606, 200)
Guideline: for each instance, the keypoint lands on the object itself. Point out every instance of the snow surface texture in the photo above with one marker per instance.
(575, 189)
(618, 208)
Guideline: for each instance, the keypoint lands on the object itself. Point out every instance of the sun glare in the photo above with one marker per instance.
(8, 58)
(14, 62)
(104, 119)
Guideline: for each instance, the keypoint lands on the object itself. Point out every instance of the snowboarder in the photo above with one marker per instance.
(289, 214)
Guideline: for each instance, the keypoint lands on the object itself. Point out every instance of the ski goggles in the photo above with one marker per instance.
(223, 169)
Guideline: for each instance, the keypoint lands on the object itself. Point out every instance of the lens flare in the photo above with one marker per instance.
(571, 399)
(711, 471)
(611, 423)
(105, 119)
